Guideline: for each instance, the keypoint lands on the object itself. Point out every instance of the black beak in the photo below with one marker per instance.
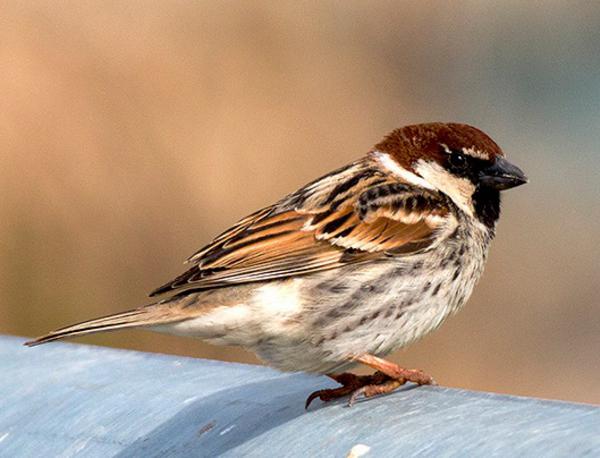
(502, 175)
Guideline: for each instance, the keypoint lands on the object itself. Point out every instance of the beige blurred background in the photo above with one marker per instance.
(132, 132)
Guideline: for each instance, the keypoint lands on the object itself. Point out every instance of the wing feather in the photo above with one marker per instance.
(356, 214)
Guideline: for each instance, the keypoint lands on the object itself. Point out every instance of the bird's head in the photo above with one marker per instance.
(457, 160)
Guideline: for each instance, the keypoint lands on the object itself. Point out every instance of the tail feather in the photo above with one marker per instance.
(140, 317)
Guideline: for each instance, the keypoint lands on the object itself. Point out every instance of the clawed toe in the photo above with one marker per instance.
(353, 385)
(381, 382)
(373, 390)
(327, 395)
(350, 382)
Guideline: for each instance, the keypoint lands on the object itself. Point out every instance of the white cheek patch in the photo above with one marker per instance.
(392, 166)
(460, 190)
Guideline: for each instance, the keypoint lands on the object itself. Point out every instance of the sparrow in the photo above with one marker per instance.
(356, 264)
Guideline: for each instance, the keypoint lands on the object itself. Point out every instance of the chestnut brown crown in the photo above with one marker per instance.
(434, 141)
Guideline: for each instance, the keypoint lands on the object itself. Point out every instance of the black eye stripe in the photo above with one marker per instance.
(457, 159)
(462, 164)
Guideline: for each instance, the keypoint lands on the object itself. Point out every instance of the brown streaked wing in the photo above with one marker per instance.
(234, 230)
(274, 243)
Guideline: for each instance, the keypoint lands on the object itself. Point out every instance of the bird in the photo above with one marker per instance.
(356, 264)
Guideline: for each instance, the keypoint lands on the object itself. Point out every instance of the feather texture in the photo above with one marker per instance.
(356, 214)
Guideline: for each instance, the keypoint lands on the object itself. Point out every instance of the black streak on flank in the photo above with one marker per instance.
(445, 262)
(417, 266)
(398, 271)
(337, 289)
(334, 313)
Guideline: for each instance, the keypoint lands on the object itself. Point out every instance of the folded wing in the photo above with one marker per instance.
(356, 214)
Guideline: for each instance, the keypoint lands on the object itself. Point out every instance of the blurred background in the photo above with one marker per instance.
(133, 132)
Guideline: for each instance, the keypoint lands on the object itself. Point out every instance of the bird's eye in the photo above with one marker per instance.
(457, 160)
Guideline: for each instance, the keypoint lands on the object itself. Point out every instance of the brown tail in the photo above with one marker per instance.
(143, 316)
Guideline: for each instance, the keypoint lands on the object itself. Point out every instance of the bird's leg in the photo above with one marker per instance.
(395, 376)
(388, 377)
(350, 383)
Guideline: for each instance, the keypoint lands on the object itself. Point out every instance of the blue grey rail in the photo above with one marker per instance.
(66, 400)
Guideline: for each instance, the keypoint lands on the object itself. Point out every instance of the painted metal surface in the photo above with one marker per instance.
(76, 400)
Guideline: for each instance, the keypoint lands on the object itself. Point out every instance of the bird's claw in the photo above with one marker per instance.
(368, 385)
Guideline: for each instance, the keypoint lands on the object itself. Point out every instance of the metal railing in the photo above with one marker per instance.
(76, 400)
